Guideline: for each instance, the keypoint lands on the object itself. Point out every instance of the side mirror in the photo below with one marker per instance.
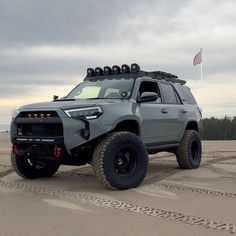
(148, 97)
(55, 97)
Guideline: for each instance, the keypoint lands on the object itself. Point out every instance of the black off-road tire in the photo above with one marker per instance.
(189, 152)
(29, 170)
(120, 161)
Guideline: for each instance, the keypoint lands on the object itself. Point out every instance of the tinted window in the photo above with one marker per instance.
(147, 86)
(185, 94)
(169, 95)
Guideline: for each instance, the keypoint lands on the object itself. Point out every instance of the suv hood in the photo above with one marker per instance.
(69, 104)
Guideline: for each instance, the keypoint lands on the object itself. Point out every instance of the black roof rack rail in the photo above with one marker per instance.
(161, 75)
(99, 74)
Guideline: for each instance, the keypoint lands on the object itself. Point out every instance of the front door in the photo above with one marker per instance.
(155, 128)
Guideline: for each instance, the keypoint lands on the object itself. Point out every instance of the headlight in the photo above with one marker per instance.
(87, 113)
(14, 113)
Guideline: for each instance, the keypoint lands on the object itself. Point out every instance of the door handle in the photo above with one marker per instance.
(183, 111)
(164, 111)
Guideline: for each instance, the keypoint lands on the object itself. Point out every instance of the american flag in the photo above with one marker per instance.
(198, 58)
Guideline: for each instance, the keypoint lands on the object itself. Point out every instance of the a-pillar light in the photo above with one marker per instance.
(135, 68)
(107, 70)
(115, 69)
(90, 72)
(98, 71)
(125, 69)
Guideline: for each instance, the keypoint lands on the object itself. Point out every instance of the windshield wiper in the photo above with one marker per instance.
(101, 98)
(93, 98)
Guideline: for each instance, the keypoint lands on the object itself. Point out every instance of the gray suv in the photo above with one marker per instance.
(112, 120)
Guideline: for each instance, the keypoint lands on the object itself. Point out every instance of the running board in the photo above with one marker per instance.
(161, 148)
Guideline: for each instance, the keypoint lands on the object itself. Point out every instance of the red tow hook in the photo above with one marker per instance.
(15, 149)
(57, 151)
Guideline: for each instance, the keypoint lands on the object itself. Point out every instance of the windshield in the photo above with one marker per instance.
(103, 89)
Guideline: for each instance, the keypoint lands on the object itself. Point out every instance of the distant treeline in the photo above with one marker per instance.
(219, 129)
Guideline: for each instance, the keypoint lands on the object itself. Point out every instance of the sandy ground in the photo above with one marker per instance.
(169, 202)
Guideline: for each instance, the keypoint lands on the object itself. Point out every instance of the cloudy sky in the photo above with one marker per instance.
(47, 45)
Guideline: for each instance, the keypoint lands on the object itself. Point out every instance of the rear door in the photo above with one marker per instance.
(175, 112)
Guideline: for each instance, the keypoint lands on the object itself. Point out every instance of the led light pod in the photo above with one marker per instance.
(90, 72)
(125, 69)
(107, 70)
(115, 70)
(98, 71)
(135, 68)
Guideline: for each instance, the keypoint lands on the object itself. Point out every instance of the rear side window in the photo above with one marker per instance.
(185, 94)
(169, 94)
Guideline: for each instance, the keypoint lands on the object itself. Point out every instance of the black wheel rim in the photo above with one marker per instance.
(194, 150)
(125, 160)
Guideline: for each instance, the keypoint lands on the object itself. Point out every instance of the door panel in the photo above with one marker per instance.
(155, 128)
(161, 120)
(175, 121)
(176, 113)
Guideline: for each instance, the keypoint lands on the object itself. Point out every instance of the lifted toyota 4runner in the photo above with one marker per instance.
(112, 120)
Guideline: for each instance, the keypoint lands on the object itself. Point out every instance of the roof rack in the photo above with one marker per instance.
(161, 75)
(126, 71)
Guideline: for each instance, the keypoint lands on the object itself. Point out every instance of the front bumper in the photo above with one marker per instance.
(73, 133)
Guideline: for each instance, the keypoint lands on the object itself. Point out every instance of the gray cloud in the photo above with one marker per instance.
(36, 22)
(45, 44)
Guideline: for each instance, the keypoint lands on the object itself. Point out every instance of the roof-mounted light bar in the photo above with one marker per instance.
(134, 69)
(115, 70)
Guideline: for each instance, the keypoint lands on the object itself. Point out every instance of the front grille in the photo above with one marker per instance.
(49, 130)
(39, 124)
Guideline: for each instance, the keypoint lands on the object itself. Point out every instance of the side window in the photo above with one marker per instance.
(185, 94)
(169, 94)
(147, 86)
